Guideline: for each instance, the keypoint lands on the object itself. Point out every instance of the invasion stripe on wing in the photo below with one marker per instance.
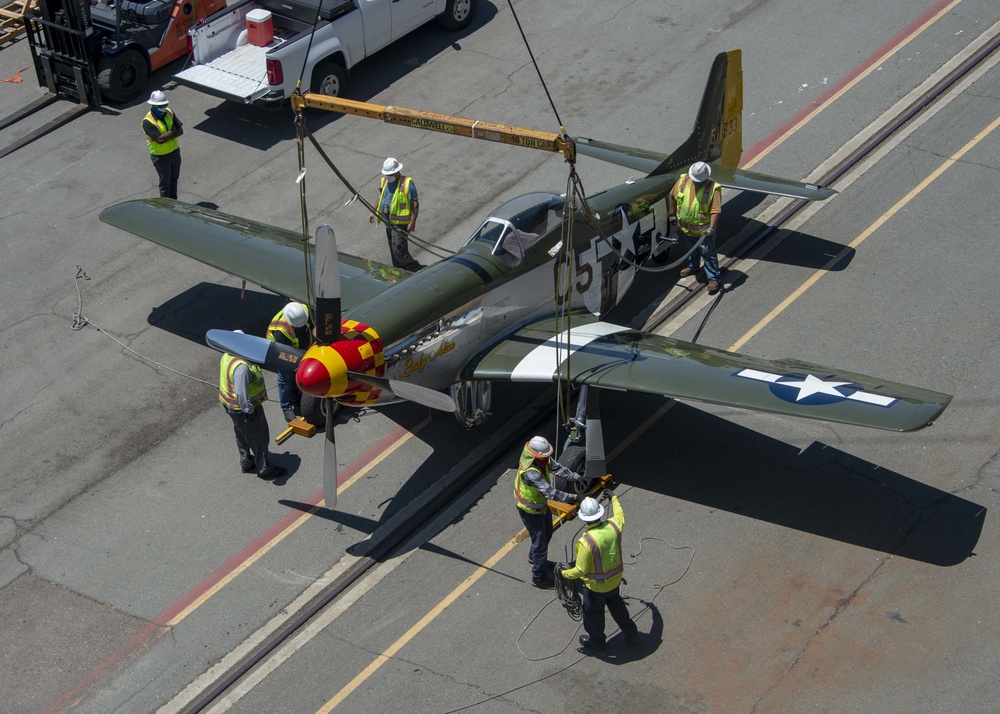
(543, 362)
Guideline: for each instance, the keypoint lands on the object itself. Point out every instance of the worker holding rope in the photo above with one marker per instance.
(599, 565)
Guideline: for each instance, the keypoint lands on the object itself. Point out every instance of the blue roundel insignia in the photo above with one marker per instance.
(812, 391)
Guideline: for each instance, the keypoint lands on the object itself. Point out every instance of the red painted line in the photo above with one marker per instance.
(146, 633)
(877, 56)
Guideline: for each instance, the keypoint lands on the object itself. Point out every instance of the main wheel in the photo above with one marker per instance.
(314, 409)
(123, 76)
(575, 459)
(329, 78)
(457, 15)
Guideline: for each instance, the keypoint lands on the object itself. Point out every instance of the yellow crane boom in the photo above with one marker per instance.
(512, 135)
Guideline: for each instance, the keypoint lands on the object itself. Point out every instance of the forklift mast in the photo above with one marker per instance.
(63, 45)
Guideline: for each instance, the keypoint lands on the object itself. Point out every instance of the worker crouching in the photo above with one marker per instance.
(599, 564)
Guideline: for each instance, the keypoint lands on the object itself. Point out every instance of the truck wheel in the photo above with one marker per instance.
(329, 78)
(457, 15)
(123, 76)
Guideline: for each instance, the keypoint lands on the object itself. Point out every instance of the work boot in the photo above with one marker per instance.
(546, 584)
(276, 472)
(713, 287)
(248, 468)
(685, 272)
(587, 643)
(289, 414)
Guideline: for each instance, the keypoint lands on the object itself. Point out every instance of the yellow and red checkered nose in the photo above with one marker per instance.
(323, 370)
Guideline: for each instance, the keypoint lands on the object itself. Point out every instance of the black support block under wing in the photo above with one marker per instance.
(615, 357)
(265, 255)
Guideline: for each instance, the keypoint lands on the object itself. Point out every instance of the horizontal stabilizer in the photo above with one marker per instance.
(728, 177)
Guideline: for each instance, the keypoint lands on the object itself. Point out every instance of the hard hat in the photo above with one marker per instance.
(295, 313)
(590, 510)
(539, 447)
(240, 332)
(390, 166)
(700, 171)
(158, 99)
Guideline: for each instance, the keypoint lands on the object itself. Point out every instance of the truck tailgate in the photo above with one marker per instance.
(239, 75)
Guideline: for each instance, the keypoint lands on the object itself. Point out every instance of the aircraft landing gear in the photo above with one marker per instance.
(583, 450)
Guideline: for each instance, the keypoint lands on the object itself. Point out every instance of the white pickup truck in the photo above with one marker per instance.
(228, 65)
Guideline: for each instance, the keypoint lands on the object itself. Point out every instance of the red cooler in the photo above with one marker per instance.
(260, 27)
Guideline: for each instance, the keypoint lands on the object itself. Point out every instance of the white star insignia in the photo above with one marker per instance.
(811, 385)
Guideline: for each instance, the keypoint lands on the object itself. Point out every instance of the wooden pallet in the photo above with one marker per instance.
(11, 25)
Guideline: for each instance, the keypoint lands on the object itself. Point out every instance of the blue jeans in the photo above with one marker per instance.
(593, 614)
(539, 527)
(705, 251)
(289, 395)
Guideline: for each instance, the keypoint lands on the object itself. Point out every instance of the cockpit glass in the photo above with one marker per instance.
(518, 224)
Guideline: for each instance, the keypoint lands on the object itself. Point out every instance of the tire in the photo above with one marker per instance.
(329, 78)
(314, 411)
(123, 76)
(662, 257)
(575, 459)
(457, 15)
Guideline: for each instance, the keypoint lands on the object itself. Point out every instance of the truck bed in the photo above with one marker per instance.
(241, 72)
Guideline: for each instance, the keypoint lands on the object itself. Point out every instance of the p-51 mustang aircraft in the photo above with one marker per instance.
(521, 301)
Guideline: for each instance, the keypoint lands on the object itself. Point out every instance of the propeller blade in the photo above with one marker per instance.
(411, 392)
(326, 273)
(255, 349)
(330, 459)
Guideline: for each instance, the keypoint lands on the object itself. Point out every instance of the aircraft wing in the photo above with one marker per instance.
(268, 256)
(615, 357)
(726, 176)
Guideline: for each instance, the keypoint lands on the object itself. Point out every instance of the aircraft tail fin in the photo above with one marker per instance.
(718, 128)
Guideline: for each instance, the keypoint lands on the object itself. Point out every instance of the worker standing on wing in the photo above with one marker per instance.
(242, 393)
(532, 490)
(695, 206)
(162, 127)
(398, 207)
(289, 327)
(599, 564)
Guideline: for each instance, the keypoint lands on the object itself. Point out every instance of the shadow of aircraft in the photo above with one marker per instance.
(185, 315)
(820, 490)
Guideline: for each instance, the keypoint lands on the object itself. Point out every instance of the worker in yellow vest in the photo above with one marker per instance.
(532, 490)
(695, 207)
(289, 327)
(398, 207)
(162, 127)
(242, 393)
(599, 564)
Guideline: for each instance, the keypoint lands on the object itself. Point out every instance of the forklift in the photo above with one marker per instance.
(102, 51)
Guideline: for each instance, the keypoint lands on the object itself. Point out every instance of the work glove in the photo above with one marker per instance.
(672, 220)
(607, 494)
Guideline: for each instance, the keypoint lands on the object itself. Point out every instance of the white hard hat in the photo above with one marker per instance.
(390, 166)
(295, 313)
(158, 99)
(590, 510)
(700, 171)
(239, 332)
(540, 447)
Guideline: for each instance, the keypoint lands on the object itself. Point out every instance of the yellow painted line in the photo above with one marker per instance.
(843, 90)
(900, 204)
(396, 646)
(386, 655)
(264, 549)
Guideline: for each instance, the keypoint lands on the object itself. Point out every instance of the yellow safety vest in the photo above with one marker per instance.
(400, 208)
(280, 324)
(604, 542)
(256, 391)
(528, 498)
(694, 207)
(164, 125)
